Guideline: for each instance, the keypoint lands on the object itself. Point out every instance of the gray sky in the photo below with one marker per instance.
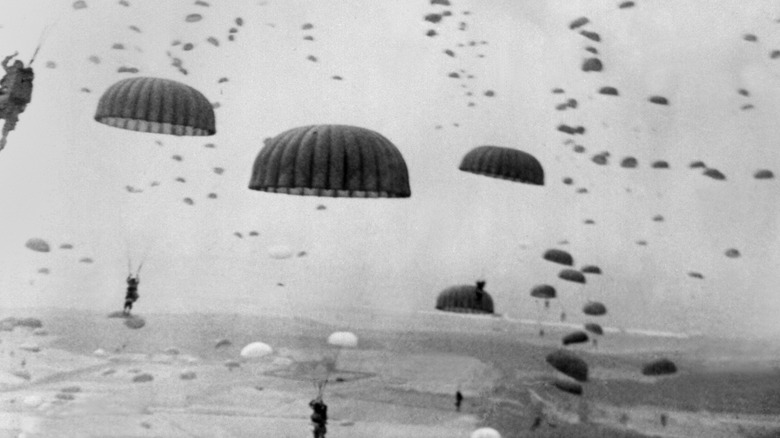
(63, 175)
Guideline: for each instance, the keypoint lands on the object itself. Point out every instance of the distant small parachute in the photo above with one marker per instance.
(600, 159)
(43, 271)
(658, 218)
(594, 308)
(569, 364)
(714, 174)
(659, 100)
(589, 222)
(503, 163)
(641, 242)
(544, 291)
(188, 201)
(660, 164)
(696, 275)
(485, 432)
(465, 299)
(256, 350)
(629, 163)
(592, 64)
(331, 161)
(659, 367)
(732, 253)
(239, 235)
(594, 328)
(609, 91)
(66, 246)
(37, 244)
(590, 269)
(582, 21)
(343, 339)
(218, 170)
(696, 164)
(254, 233)
(763, 174)
(627, 4)
(193, 18)
(572, 275)
(568, 181)
(280, 252)
(568, 386)
(591, 35)
(155, 105)
(301, 254)
(558, 256)
(577, 337)
(85, 260)
(80, 4)
(321, 207)
(135, 322)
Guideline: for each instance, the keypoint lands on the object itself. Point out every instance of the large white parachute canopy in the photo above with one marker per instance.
(256, 350)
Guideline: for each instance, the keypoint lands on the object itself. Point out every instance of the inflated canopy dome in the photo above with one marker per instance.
(158, 106)
(465, 298)
(543, 291)
(333, 161)
(503, 163)
(558, 256)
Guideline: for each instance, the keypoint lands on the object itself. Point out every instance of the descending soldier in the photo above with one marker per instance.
(15, 93)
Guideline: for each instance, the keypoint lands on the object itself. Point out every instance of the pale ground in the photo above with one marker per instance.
(75, 393)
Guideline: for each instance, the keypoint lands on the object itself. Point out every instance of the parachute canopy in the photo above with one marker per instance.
(280, 252)
(591, 269)
(159, 106)
(485, 432)
(569, 363)
(763, 174)
(568, 386)
(255, 350)
(343, 339)
(572, 275)
(558, 256)
(577, 337)
(594, 308)
(332, 161)
(732, 253)
(465, 299)
(503, 163)
(594, 328)
(659, 367)
(544, 291)
(629, 163)
(37, 244)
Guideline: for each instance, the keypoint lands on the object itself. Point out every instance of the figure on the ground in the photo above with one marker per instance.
(15, 93)
(132, 293)
(319, 417)
(664, 419)
(563, 316)
(458, 400)
(537, 422)
(541, 332)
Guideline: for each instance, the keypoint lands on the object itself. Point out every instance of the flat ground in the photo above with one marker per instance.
(169, 379)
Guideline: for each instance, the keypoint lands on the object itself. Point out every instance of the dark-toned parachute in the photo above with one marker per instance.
(660, 164)
(570, 364)
(577, 337)
(659, 367)
(696, 275)
(715, 174)
(591, 269)
(38, 245)
(572, 275)
(594, 328)
(629, 163)
(763, 174)
(594, 308)
(732, 253)
(465, 299)
(544, 291)
(568, 386)
(558, 256)
(503, 163)
(331, 161)
(159, 106)
(697, 164)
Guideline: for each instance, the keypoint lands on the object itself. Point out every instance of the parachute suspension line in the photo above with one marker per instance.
(42, 39)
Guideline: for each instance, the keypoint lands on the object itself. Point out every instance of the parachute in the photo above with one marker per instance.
(38, 245)
(594, 328)
(485, 432)
(697, 164)
(256, 350)
(332, 161)
(591, 269)
(544, 291)
(763, 174)
(280, 252)
(609, 91)
(465, 299)
(572, 275)
(159, 106)
(503, 163)
(714, 174)
(577, 337)
(343, 339)
(629, 163)
(660, 164)
(558, 256)
(568, 386)
(594, 308)
(569, 364)
(732, 253)
(659, 367)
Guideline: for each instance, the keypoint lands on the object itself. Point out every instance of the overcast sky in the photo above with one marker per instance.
(63, 176)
